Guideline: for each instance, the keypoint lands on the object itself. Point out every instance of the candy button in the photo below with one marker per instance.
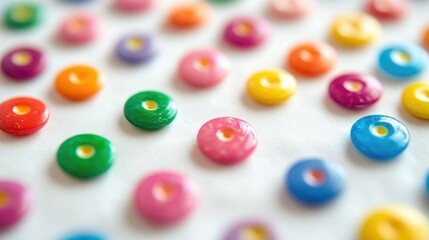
(134, 5)
(388, 9)
(398, 222)
(251, 230)
(166, 197)
(312, 59)
(415, 99)
(21, 16)
(223, 1)
(78, 82)
(271, 86)
(86, 155)
(189, 15)
(355, 29)
(78, 1)
(137, 48)
(150, 110)
(79, 28)
(86, 236)
(379, 137)
(15, 201)
(291, 9)
(246, 32)
(402, 61)
(426, 38)
(203, 68)
(227, 140)
(23, 63)
(355, 91)
(314, 181)
(23, 115)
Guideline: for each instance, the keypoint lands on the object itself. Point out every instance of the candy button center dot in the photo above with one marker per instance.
(379, 131)
(243, 29)
(4, 199)
(21, 109)
(254, 233)
(77, 25)
(314, 177)
(22, 14)
(389, 229)
(150, 105)
(401, 57)
(225, 135)
(77, 78)
(423, 94)
(271, 82)
(353, 86)
(135, 44)
(202, 64)
(21, 58)
(85, 151)
(163, 192)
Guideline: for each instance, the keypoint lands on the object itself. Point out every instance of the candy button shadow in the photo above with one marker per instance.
(293, 206)
(131, 130)
(58, 176)
(201, 161)
(252, 104)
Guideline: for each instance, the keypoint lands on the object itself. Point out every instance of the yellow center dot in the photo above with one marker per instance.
(255, 233)
(353, 86)
(202, 64)
(22, 14)
(21, 58)
(76, 25)
(85, 151)
(150, 105)
(4, 199)
(21, 109)
(243, 29)
(423, 94)
(401, 57)
(135, 44)
(225, 135)
(380, 131)
(163, 192)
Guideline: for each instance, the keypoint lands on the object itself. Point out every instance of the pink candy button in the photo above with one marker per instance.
(291, 8)
(14, 203)
(134, 5)
(203, 68)
(79, 28)
(246, 32)
(355, 91)
(165, 197)
(227, 140)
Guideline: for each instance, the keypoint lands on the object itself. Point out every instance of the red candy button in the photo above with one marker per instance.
(23, 115)
(388, 9)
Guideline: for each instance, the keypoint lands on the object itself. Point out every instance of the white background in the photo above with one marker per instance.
(309, 124)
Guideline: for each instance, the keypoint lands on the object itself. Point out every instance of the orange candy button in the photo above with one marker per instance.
(189, 15)
(311, 58)
(78, 82)
(426, 38)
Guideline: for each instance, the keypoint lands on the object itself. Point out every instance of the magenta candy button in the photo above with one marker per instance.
(134, 5)
(79, 28)
(166, 197)
(227, 140)
(15, 200)
(23, 63)
(246, 32)
(355, 91)
(203, 68)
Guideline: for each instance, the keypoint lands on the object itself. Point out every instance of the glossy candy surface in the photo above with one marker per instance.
(79, 28)
(203, 68)
(23, 15)
(23, 115)
(227, 140)
(251, 230)
(271, 87)
(314, 181)
(86, 155)
(166, 197)
(15, 202)
(189, 15)
(355, 91)
(388, 9)
(246, 32)
(150, 110)
(415, 99)
(379, 137)
(23, 63)
(137, 48)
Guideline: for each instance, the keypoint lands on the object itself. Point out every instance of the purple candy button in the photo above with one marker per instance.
(251, 229)
(137, 48)
(246, 32)
(23, 63)
(15, 201)
(355, 91)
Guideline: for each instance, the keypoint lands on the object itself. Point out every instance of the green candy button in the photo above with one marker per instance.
(23, 15)
(86, 155)
(150, 110)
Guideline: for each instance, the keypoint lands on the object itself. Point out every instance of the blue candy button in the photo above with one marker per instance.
(402, 61)
(379, 137)
(314, 181)
(86, 236)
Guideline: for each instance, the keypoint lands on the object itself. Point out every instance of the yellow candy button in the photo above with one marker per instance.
(395, 222)
(415, 99)
(271, 86)
(355, 29)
